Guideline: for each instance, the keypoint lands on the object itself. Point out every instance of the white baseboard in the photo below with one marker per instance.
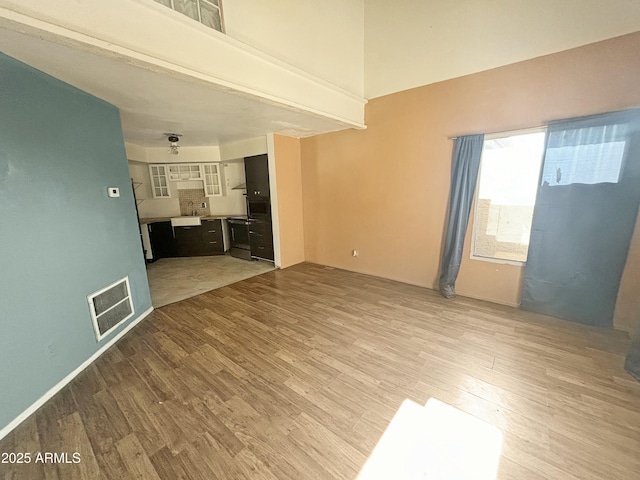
(62, 383)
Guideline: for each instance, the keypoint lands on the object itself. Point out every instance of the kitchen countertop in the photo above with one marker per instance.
(145, 221)
(215, 217)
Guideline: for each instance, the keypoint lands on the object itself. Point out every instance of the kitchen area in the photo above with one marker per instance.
(203, 225)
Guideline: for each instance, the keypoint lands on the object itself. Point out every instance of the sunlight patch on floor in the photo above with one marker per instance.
(435, 442)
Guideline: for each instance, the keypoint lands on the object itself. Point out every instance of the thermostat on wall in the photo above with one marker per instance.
(113, 192)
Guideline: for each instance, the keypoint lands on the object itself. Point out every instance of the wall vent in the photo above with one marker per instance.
(110, 307)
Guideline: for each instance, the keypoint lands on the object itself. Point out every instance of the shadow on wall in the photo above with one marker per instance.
(4, 177)
(632, 363)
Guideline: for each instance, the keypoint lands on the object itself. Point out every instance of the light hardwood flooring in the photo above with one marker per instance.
(296, 373)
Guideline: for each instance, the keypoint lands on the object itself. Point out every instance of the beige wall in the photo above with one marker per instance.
(384, 190)
(290, 218)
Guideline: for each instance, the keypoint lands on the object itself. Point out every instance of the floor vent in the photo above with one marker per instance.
(110, 307)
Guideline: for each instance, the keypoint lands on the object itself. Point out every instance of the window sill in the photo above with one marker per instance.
(498, 260)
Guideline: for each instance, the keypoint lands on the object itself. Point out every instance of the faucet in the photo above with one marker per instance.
(193, 209)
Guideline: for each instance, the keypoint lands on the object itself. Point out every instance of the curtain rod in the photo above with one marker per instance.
(506, 133)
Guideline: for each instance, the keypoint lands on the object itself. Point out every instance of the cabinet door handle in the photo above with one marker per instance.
(212, 231)
(213, 242)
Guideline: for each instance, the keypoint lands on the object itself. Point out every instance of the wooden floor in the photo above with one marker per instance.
(295, 374)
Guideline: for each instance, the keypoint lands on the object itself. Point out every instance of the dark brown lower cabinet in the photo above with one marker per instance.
(188, 241)
(261, 239)
(162, 242)
(212, 239)
(199, 240)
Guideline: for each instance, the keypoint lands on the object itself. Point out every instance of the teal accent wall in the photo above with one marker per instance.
(61, 236)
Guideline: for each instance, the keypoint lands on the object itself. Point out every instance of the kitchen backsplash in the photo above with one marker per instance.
(195, 195)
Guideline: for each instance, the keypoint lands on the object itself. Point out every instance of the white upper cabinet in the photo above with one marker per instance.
(159, 181)
(213, 181)
(211, 174)
(185, 171)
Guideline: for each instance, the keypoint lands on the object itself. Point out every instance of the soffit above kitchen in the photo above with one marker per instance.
(176, 91)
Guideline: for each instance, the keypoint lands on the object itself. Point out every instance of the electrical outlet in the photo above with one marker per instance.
(354, 253)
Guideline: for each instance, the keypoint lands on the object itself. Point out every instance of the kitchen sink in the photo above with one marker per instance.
(186, 221)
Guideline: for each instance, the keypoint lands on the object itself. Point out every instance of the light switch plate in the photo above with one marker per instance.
(113, 192)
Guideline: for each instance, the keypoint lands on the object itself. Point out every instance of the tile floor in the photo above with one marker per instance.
(175, 279)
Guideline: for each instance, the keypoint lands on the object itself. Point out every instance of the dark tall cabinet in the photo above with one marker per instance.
(256, 170)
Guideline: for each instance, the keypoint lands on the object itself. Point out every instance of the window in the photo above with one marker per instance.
(207, 12)
(587, 155)
(506, 195)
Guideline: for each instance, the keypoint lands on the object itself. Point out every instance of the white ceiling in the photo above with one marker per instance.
(152, 103)
(409, 43)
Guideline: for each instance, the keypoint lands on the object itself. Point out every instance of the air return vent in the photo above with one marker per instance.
(110, 307)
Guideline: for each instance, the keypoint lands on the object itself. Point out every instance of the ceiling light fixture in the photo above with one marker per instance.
(173, 138)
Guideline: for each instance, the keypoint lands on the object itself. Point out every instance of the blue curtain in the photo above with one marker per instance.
(584, 217)
(467, 151)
